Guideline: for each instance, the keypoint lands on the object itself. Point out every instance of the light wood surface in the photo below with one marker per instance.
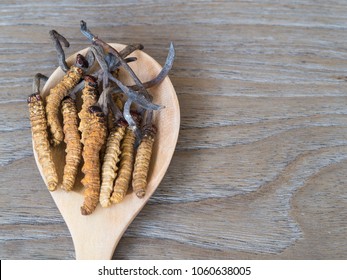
(259, 171)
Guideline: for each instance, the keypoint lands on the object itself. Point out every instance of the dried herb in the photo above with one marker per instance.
(143, 157)
(90, 95)
(115, 150)
(62, 89)
(125, 167)
(96, 132)
(73, 144)
(38, 123)
(85, 31)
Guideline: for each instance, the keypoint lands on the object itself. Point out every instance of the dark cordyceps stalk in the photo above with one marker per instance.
(86, 32)
(143, 157)
(56, 95)
(164, 71)
(96, 132)
(40, 136)
(56, 39)
(112, 62)
(100, 56)
(130, 49)
(73, 144)
(135, 96)
(162, 74)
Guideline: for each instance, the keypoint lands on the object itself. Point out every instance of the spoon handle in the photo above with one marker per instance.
(89, 247)
(94, 236)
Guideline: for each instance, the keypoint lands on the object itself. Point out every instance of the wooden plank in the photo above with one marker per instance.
(259, 169)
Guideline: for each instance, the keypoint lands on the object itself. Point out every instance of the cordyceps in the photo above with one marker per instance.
(62, 89)
(126, 165)
(111, 158)
(108, 166)
(143, 157)
(96, 131)
(122, 182)
(115, 99)
(40, 136)
(113, 151)
(73, 144)
(89, 96)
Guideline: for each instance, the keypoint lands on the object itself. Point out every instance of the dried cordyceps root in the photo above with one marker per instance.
(113, 151)
(40, 136)
(96, 132)
(111, 120)
(56, 95)
(90, 95)
(73, 144)
(109, 167)
(125, 168)
(143, 158)
(126, 165)
(62, 89)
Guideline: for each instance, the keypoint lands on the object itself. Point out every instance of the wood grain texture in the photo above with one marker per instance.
(259, 171)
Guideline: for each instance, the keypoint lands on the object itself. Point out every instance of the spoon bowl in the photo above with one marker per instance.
(96, 236)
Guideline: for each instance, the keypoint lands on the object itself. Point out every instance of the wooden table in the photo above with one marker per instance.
(259, 171)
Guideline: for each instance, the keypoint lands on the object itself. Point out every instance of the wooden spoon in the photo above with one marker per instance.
(97, 235)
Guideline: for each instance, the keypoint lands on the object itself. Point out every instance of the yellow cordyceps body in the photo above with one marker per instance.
(73, 144)
(110, 117)
(89, 96)
(118, 101)
(110, 120)
(40, 138)
(96, 131)
(53, 100)
(141, 166)
(109, 167)
(125, 168)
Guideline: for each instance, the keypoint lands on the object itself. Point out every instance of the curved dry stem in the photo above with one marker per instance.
(104, 100)
(100, 55)
(162, 74)
(85, 31)
(135, 96)
(129, 49)
(165, 70)
(36, 82)
(90, 58)
(57, 39)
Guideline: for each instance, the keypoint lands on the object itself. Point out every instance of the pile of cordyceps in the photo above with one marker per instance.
(114, 122)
